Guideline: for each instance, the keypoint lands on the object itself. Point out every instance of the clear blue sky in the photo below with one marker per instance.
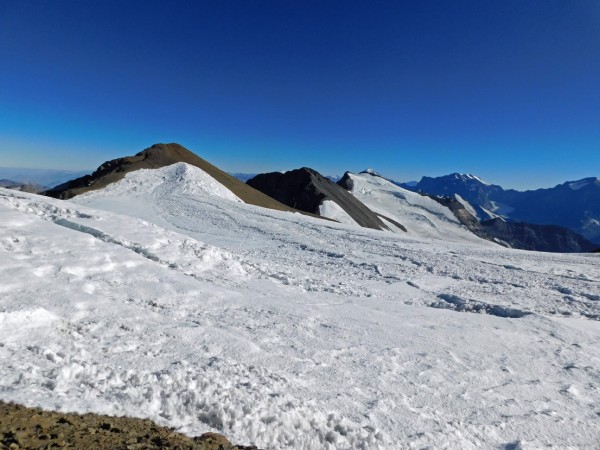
(506, 89)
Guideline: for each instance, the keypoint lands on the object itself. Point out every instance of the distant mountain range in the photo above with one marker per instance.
(526, 236)
(41, 177)
(574, 204)
(371, 201)
(242, 176)
(22, 186)
(455, 207)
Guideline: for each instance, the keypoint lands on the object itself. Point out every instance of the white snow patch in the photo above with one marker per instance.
(23, 319)
(181, 177)
(332, 210)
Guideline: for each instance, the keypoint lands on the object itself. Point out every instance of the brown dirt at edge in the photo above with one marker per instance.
(33, 428)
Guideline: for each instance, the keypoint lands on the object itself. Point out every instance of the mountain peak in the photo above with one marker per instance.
(371, 172)
(584, 182)
(155, 157)
(467, 177)
(307, 190)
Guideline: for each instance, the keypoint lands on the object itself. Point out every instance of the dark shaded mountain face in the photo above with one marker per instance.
(574, 205)
(525, 236)
(544, 238)
(306, 189)
(469, 187)
(160, 155)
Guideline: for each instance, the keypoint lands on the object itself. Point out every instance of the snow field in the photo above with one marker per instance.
(332, 210)
(296, 332)
(95, 355)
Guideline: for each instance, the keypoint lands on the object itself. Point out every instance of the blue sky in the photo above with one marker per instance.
(508, 90)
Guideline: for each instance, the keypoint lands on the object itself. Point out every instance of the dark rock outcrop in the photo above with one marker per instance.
(160, 155)
(34, 428)
(306, 189)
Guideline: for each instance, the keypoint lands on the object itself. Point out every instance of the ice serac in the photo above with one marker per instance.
(157, 156)
(306, 189)
(574, 204)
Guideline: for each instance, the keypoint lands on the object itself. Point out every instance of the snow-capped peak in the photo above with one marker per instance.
(576, 185)
(468, 177)
(371, 172)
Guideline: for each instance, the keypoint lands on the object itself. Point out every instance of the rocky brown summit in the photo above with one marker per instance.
(157, 156)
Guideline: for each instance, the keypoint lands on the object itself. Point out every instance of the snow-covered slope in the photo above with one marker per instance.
(292, 332)
(422, 216)
(332, 210)
(180, 178)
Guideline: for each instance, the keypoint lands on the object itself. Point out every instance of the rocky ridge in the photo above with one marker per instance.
(306, 189)
(160, 155)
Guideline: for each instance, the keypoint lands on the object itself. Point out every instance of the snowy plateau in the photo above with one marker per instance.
(164, 296)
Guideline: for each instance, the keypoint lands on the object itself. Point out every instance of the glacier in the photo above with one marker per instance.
(163, 296)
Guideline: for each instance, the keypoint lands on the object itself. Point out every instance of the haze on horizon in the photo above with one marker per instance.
(507, 90)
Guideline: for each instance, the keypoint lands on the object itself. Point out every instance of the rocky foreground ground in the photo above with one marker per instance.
(32, 428)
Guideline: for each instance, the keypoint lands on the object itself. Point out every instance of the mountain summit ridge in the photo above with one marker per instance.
(154, 157)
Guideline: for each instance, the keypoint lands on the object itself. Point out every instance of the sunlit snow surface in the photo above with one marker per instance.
(286, 331)
(332, 210)
(422, 216)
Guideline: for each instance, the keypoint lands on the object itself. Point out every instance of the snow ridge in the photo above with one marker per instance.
(180, 177)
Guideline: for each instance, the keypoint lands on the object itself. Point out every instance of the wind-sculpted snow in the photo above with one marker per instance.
(167, 248)
(288, 331)
(457, 303)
